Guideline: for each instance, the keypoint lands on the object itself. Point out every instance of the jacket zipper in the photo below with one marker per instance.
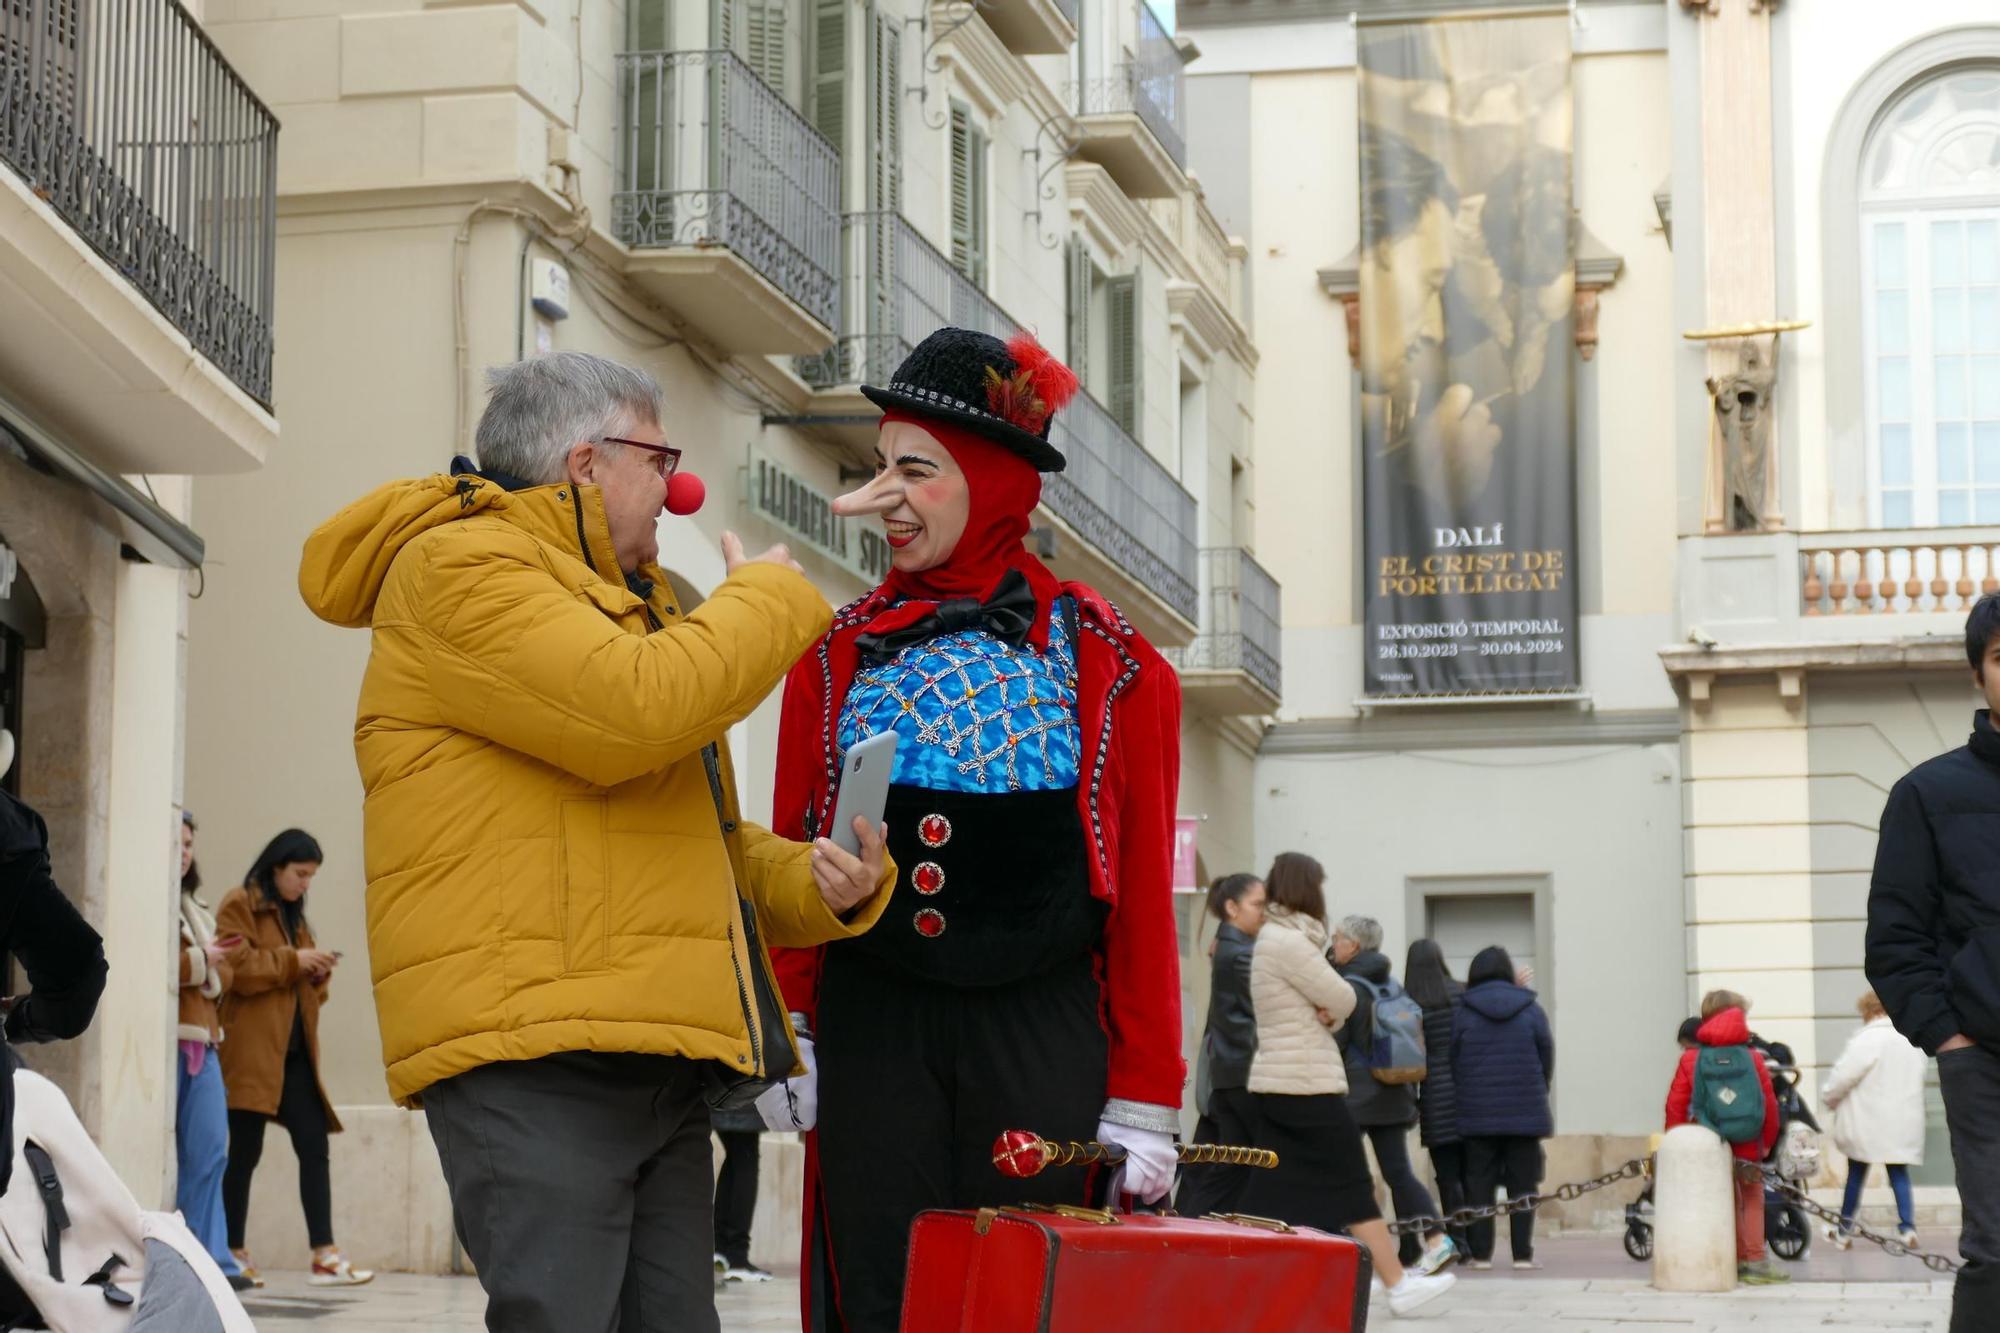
(712, 766)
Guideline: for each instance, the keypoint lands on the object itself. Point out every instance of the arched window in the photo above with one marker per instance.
(1930, 252)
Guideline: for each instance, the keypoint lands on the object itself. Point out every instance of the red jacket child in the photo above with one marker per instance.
(1728, 1027)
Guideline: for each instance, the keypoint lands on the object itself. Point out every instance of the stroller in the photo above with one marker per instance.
(1795, 1156)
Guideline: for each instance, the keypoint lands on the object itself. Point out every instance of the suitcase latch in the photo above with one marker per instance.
(1101, 1216)
(982, 1221)
(1246, 1220)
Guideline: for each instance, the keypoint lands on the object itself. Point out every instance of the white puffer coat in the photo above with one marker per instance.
(1876, 1090)
(1290, 980)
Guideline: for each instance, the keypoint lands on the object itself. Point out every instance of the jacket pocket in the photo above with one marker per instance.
(1972, 980)
(583, 887)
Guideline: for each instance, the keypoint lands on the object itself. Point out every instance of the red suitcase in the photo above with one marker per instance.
(1082, 1270)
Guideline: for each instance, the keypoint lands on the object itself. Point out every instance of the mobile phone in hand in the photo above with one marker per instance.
(864, 789)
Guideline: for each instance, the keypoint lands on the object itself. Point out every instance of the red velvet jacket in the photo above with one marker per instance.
(1129, 710)
(1727, 1028)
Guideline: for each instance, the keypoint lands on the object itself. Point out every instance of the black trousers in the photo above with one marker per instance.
(1490, 1162)
(736, 1194)
(303, 1114)
(1392, 1155)
(1969, 1078)
(917, 1079)
(1219, 1189)
(1448, 1165)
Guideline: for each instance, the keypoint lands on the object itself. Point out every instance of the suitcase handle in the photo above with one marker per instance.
(1246, 1220)
(1103, 1217)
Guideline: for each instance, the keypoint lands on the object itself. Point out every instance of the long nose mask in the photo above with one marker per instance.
(879, 496)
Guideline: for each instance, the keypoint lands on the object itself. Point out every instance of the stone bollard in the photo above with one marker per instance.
(1694, 1212)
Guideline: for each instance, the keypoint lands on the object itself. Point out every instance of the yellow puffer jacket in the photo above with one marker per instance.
(547, 869)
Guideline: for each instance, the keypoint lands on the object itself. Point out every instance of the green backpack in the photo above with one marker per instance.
(1728, 1095)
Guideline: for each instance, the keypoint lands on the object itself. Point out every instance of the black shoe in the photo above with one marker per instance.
(239, 1282)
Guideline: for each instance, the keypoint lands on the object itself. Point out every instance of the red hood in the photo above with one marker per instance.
(1728, 1028)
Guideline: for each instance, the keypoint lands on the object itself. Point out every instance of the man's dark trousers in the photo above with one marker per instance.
(581, 1187)
(1970, 1080)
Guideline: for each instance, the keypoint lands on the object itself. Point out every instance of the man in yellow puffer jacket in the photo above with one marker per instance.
(566, 915)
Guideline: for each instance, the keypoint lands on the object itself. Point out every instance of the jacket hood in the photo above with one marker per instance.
(347, 558)
(1728, 1028)
(1311, 927)
(1369, 965)
(1498, 1000)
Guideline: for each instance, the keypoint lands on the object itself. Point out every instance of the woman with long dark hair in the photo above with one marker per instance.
(1222, 1072)
(1429, 982)
(270, 1061)
(201, 1120)
(1503, 1061)
(1299, 1084)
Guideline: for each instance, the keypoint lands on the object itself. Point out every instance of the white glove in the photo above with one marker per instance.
(1148, 1172)
(793, 1105)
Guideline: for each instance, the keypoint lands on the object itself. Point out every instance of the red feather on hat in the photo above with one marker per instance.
(1038, 388)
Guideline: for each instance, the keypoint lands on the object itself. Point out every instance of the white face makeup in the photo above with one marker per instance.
(920, 493)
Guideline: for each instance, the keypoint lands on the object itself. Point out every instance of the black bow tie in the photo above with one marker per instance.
(1008, 616)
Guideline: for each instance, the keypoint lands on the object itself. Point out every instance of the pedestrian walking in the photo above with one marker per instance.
(1723, 1084)
(1299, 1084)
(1876, 1094)
(567, 910)
(1228, 1042)
(1385, 1111)
(1503, 1062)
(278, 982)
(1430, 983)
(201, 1117)
(742, 1135)
(1933, 954)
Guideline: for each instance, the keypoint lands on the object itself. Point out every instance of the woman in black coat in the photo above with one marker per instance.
(1222, 1073)
(1503, 1062)
(1429, 982)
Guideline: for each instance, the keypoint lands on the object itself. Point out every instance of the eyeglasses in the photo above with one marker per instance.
(667, 459)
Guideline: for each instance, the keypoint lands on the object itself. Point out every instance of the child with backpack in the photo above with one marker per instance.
(1722, 1084)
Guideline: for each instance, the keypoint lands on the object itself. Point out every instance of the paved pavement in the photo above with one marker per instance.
(1587, 1286)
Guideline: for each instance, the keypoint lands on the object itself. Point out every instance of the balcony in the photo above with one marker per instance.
(1133, 524)
(1232, 668)
(138, 236)
(729, 202)
(1133, 123)
(1032, 27)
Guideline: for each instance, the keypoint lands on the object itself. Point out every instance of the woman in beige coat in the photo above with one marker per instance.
(1299, 1083)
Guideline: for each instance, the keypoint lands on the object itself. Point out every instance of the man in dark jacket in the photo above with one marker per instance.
(1222, 1073)
(1933, 953)
(62, 955)
(1384, 1111)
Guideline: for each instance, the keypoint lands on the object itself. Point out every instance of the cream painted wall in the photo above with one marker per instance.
(1825, 53)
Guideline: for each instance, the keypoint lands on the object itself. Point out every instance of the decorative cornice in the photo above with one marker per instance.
(1472, 731)
(1097, 201)
(991, 74)
(1596, 268)
(1697, 667)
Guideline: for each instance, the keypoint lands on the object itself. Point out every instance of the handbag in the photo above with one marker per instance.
(725, 1087)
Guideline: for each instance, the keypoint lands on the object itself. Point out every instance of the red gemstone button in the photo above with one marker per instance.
(935, 830)
(930, 923)
(927, 878)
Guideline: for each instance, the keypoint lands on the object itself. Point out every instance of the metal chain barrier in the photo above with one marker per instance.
(1633, 1170)
(1937, 1263)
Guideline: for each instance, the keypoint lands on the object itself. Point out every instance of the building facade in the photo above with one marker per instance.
(1753, 676)
(136, 249)
(766, 203)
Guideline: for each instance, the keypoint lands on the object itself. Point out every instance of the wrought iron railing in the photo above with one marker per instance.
(1239, 620)
(1124, 502)
(899, 288)
(1150, 86)
(128, 121)
(711, 155)
(1888, 571)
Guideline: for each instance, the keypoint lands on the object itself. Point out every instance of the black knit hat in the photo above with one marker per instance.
(1006, 392)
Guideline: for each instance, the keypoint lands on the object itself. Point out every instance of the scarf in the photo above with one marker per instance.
(1004, 489)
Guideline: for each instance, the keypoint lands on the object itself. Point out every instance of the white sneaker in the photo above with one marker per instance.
(1415, 1291)
(1437, 1257)
(1841, 1240)
(747, 1272)
(1908, 1235)
(333, 1270)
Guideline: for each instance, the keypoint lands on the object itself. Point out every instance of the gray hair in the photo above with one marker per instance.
(537, 409)
(1365, 931)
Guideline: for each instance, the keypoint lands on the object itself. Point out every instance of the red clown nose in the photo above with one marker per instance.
(685, 493)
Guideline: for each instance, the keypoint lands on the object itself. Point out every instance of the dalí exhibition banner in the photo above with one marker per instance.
(1467, 283)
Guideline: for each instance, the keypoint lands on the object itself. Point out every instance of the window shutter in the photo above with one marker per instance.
(725, 30)
(1122, 321)
(829, 72)
(968, 197)
(1078, 259)
(885, 114)
(979, 210)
